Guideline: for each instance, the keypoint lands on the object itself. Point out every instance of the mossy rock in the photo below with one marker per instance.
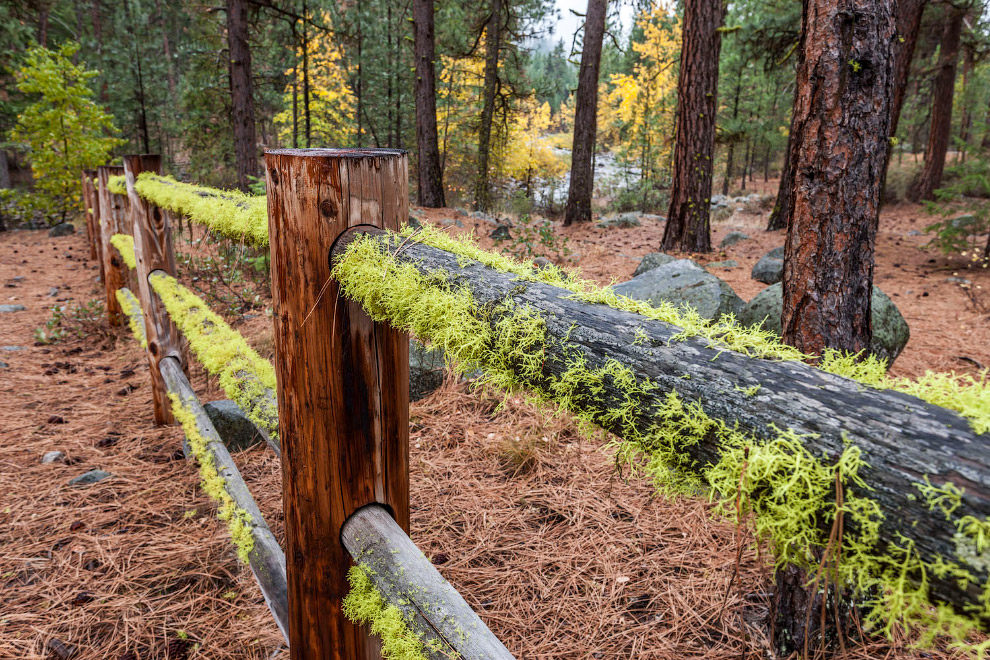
(770, 268)
(685, 284)
(425, 370)
(235, 429)
(890, 330)
(651, 261)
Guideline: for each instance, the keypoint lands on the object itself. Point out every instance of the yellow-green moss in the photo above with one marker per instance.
(222, 351)
(238, 520)
(135, 315)
(227, 212)
(125, 246)
(364, 605)
(788, 493)
(117, 184)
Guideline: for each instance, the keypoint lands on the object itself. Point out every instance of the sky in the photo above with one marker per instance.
(567, 23)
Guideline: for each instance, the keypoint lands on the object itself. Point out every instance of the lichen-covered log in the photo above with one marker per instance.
(916, 477)
(248, 528)
(431, 608)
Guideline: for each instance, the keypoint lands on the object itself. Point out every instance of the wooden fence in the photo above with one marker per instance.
(343, 417)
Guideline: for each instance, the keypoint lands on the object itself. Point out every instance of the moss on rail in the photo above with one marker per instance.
(791, 496)
(365, 605)
(117, 184)
(135, 315)
(245, 376)
(230, 213)
(125, 246)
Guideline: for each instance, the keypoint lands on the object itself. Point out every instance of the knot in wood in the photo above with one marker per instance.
(274, 176)
(328, 209)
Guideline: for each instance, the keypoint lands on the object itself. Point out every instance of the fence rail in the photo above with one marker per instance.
(788, 440)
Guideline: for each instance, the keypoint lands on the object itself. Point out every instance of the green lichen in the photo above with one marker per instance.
(125, 246)
(230, 213)
(365, 605)
(135, 315)
(238, 520)
(117, 184)
(245, 376)
(789, 495)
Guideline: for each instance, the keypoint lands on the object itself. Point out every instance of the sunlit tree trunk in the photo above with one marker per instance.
(688, 226)
(582, 184)
(428, 173)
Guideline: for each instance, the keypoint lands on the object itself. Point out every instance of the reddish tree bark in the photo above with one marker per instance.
(245, 138)
(688, 227)
(930, 176)
(586, 116)
(429, 176)
(840, 128)
(909, 14)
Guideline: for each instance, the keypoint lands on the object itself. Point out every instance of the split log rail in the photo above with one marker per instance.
(343, 412)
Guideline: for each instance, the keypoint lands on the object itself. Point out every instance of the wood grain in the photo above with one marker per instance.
(153, 252)
(111, 209)
(342, 382)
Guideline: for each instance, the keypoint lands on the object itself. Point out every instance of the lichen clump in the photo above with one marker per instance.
(125, 246)
(238, 520)
(231, 213)
(135, 315)
(365, 605)
(245, 376)
(117, 184)
(791, 496)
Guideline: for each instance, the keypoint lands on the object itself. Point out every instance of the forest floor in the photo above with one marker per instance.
(561, 554)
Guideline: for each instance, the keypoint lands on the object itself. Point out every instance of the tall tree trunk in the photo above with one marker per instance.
(842, 120)
(493, 44)
(745, 169)
(969, 61)
(688, 226)
(44, 12)
(305, 50)
(732, 143)
(985, 143)
(429, 191)
(245, 140)
(909, 14)
(941, 125)
(782, 207)
(582, 183)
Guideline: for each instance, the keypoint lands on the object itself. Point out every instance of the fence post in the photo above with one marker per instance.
(92, 217)
(153, 252)
(113, 265)
(343, 382)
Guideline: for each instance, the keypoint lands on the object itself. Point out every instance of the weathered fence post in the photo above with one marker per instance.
(343, 382)
(111, 208)
(92, 206)
(153, 252)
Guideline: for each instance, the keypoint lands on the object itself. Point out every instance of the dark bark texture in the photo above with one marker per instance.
(428, 173)
(902, 438)
(785, 199)
(245, 140)
(582, 183)
(688, 227)
(840, 128)
(943, 90)
(493, 39)
(909, 14)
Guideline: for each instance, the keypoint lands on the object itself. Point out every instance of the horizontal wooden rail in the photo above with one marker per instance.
(903, 439)
(430, 606)
(266, 558)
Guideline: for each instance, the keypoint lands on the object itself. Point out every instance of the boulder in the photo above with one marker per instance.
(414, 222)
(236, 430)
(685, 284)
(776, 253)
(728, 263)
(53, 457)
(732, 238)
(768, 270)
(623, 220)
(425, 370)
(91, 477)
(890, 330)
(652, 217)
(500, 233)
(4, 365)
(651, 261)
(62, 229)
(6, 309)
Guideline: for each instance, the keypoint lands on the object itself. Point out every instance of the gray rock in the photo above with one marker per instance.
(623, 220)
(776, 253)
(914, 232)
(4, 365)
(958, 280)
(685, 284)
(732, 238)
(718, 201)
(768, 270)
(236, 430)
(90, 477)
(414, 222)
(965, 222)
(459, 211)
(53, 457)
(541, 262)
(12, 348)
(4, 309)
(500, 233)
(652, 217)
(651, 261)
(890, 330)
(728, 263)
(62, 229)
(425, 370)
